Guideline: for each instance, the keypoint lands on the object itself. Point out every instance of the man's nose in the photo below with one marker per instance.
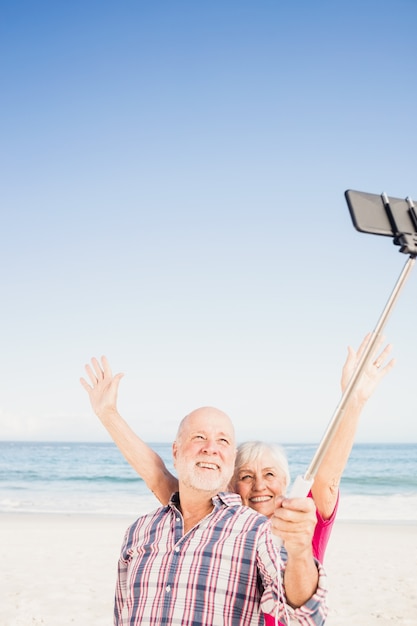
(211, 446)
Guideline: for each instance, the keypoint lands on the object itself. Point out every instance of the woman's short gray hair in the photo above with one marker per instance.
(250, 451)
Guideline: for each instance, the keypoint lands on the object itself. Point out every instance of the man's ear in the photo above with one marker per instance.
(174, 451)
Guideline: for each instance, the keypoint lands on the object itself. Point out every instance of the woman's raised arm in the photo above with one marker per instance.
(326, 483)
(102, 391)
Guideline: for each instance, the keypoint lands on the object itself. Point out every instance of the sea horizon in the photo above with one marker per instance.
(379, 482)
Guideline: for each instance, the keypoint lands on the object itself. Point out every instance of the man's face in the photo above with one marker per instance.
(205, 450)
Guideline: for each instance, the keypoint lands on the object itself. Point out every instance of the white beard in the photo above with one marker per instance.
(191, 476)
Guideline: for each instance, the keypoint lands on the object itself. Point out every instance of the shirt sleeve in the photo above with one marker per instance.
(273, 601)
(314, 611)
(121, 585)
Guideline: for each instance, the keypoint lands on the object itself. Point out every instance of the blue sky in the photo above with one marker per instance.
(173, 178)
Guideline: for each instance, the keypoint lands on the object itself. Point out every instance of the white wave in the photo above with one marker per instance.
(395, 508)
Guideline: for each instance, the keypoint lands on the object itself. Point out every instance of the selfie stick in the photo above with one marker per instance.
(303, 483)
(408, 242)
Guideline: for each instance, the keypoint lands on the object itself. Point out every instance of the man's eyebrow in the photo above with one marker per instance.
(201, 431)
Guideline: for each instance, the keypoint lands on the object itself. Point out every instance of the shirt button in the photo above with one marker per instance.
(177, 549)
(178, 519)
(167, 588)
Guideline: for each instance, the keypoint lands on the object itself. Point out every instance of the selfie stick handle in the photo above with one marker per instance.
(299, 489)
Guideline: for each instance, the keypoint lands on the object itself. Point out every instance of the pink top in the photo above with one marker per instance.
(322, 532)
(320, 540)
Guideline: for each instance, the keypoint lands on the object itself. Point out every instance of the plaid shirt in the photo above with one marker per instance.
(223, 572)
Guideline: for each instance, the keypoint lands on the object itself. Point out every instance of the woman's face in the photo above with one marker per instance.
(258, 482)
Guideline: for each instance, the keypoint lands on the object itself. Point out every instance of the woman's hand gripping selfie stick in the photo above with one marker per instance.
(303, 483)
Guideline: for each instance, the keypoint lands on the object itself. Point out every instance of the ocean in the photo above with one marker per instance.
(379, 483)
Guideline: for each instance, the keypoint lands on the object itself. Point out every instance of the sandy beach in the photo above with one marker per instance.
(60, 569)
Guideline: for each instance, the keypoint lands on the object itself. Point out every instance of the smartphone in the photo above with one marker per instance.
(370, 214)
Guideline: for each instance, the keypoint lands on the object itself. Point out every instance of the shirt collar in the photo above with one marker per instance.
(226, 498)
